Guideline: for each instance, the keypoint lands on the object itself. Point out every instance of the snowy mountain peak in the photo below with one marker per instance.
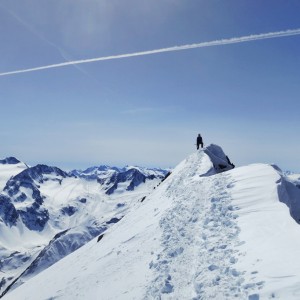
(94, 170)
(9, 160)
(40, 172)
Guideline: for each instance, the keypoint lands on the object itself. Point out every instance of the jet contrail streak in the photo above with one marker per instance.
(235, 40)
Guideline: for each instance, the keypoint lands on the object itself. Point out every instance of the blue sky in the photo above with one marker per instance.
(148, 110)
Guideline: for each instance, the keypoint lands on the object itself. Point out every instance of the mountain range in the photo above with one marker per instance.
(47, 213)
(204, 230)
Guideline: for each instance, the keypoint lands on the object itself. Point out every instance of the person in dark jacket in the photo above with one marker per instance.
(199, 141)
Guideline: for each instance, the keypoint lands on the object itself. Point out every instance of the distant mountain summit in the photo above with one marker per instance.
(9, 161)
(115, 179)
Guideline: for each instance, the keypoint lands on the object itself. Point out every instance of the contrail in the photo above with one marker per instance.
(221, 42)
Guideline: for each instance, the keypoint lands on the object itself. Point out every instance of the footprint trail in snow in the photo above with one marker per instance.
(200, 241)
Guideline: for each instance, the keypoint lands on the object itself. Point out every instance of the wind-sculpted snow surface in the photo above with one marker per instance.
(201, 234)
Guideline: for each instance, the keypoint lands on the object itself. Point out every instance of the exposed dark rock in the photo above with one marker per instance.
(113, 221)
(8, 212)
(34, 217)
(100, 237)
(9, 161)
(134, 176)
(69, 210)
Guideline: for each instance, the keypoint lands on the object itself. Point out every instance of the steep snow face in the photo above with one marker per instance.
(224, 236)
(46, 213)
(289, 193)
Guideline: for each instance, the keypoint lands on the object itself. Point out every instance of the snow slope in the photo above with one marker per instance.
(200, 235)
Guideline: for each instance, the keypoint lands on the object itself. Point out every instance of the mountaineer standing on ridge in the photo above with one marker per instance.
(199, 141)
